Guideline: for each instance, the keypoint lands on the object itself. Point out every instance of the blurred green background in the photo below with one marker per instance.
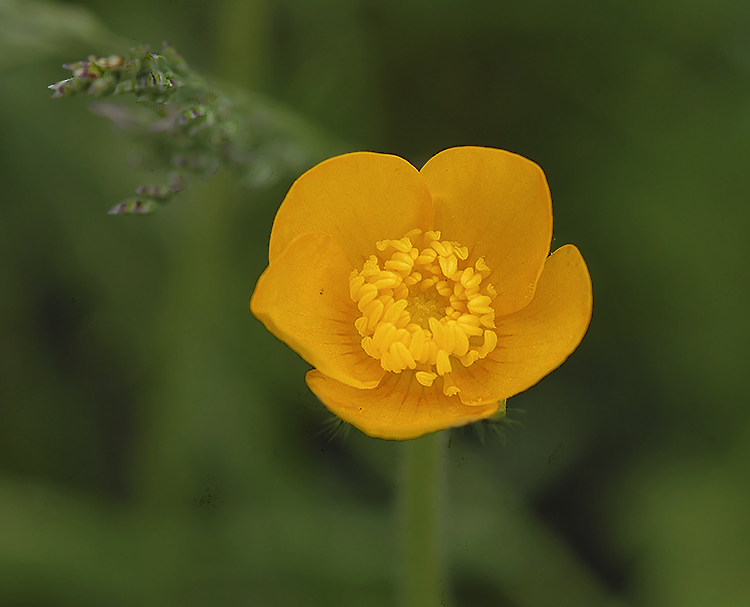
(159, 447)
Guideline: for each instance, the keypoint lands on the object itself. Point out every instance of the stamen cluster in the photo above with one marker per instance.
(420, 307)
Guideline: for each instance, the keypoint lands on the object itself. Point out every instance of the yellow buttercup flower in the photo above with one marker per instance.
(422, 298)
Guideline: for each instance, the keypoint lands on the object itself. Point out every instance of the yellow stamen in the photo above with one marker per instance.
(482, 267)
(449, 386)
(425, 378)
(490, 343)
(416, 345)
(361, 325)
(420, 306)
(449, 265)
(443, 363)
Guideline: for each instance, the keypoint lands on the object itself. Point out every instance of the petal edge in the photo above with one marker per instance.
(303, 299)
(359, 199)
(498, 204)
(398, 409)
(536, 340)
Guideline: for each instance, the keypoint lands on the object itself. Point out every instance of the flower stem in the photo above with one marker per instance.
(422, 477)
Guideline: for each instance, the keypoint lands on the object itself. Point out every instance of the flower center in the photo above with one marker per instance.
(421, 307)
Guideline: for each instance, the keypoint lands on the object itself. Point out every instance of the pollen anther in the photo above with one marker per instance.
(420, 307)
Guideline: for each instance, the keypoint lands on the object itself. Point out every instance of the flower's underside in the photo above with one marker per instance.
(422, 298)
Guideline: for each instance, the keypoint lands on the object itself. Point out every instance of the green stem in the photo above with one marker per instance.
(422, 478)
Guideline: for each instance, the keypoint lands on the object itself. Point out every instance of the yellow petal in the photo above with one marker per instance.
(359, 199)
(534, 341)
(498, 204)
(303, 299)
(400, 408)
